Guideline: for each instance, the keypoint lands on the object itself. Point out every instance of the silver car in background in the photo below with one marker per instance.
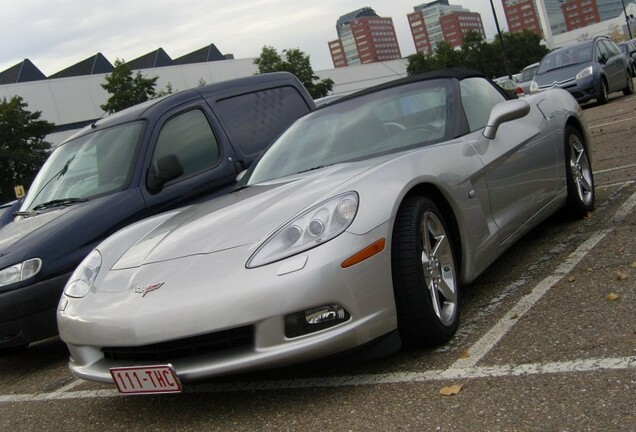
(355, 229)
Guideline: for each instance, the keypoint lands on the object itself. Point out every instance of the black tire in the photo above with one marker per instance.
(580, 178)
(603, 92)
(629, 88)
(424, 275)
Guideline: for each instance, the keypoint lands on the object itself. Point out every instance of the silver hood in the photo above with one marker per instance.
(241, 218)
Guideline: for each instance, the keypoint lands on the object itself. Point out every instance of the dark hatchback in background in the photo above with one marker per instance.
(589, 70)
(150, 158)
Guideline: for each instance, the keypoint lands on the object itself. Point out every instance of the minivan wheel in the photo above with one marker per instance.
(603, 93)
(629, 89)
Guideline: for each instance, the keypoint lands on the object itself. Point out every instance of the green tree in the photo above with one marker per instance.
(127, 89)
(444, 56)
(522, 48)
(297, 63)
(23, 149)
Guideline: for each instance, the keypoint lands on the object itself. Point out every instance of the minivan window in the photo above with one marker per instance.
(255, 119)
(189, 137)
(94, 164)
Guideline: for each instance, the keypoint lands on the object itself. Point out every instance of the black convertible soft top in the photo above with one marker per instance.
(454, 73)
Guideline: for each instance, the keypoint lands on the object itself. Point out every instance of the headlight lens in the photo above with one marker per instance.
(19, 272)
(534, 87)
(84, 275)
(309, 229)
(584, 73)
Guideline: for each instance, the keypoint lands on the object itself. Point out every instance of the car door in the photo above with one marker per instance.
(191, 135)
(520, 163)
(614, 65)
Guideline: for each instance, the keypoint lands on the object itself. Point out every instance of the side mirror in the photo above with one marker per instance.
(602, 59)
(504, 112)
(168, 168)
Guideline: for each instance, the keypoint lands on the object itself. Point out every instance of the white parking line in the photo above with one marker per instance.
(611, 123)
(496, 333)
(587, 365)
(503, 326)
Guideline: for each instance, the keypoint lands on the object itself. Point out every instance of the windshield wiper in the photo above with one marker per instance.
(25, 213)
(313, 169)
(59, 203)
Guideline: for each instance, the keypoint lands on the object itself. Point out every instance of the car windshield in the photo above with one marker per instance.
(86, 167)
(377, 123)
(528, 73)
(565, 57)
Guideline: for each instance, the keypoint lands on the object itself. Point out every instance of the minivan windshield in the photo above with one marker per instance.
(382, 122)
(568, 56)
(88, 166)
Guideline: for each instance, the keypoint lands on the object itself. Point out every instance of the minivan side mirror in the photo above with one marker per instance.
(504, 112)
(602, 59)
(168, 168)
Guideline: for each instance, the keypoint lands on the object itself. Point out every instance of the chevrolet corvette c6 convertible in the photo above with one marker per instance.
(355, 229)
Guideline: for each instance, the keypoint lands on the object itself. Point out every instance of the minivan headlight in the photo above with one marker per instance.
(309, 229)
(19, 272)
(84, 275)
(584, 73)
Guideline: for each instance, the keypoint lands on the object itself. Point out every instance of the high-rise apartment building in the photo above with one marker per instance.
(456, 24)
(607, 9)
(522, 15)
(364, 37)
(580, 13)
(428, 28)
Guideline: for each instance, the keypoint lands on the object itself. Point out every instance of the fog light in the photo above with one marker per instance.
(315, 319)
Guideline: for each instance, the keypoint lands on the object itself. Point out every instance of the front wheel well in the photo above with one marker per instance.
(433, 193)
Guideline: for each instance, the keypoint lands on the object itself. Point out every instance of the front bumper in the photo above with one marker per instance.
(582, 90)
(215, 293)
(27, 314)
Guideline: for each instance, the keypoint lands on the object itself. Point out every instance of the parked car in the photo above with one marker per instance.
(356, 228)
(525, 79)
(629, 49)
(147, 159)
(589, 70)
(506, 83)
(7, 211)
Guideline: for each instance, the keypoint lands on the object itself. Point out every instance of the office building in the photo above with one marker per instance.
(428, 28)
(364, 37)
(522, 15)
(580, 13)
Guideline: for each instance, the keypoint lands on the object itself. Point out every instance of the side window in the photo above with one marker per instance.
(604, 51)
(253, 120)
(189, 137)
(613, 48)
(478, 99)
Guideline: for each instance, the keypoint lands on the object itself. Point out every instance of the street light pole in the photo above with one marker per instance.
(501, 41)
(629, 29)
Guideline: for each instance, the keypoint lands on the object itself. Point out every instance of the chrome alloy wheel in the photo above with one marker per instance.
(438, 266)
(581, 170)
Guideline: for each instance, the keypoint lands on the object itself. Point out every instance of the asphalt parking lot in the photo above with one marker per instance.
(547, 342)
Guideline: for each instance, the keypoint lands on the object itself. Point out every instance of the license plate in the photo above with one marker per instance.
(146, 379)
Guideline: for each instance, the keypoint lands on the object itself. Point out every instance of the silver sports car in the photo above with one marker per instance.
(356, 228)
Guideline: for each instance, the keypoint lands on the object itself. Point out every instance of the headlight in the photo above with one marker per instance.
(84, 275)
(534, 87)
(19, 272)
(309, 229)
(584, 73)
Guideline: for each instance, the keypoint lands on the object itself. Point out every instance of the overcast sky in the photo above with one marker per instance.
(59, 33)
